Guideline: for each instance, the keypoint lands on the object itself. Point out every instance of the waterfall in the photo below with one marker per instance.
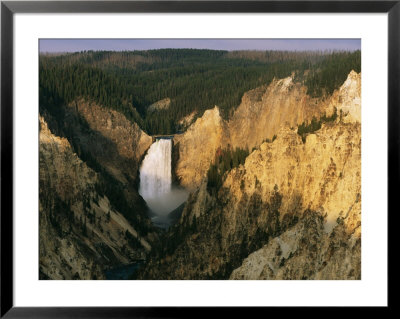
(156, 182)
(155, 173)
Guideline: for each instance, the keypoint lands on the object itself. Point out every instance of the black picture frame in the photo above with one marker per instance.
(9, 8)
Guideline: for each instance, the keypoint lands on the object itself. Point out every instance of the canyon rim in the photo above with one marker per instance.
(184, 163)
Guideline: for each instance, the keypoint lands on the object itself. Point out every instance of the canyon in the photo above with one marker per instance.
(292, 210)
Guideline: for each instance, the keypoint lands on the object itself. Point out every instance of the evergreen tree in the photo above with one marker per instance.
(194, 80)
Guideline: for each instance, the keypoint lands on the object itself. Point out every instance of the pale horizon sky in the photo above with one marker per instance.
(76, 45)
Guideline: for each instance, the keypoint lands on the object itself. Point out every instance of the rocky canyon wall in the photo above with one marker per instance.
(292, 211)
(81, 232)
(260, 116)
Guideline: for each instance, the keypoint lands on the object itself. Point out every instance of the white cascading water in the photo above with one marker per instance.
(155, 173)
(156, 182)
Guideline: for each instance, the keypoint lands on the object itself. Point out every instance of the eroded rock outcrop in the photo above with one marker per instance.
(186, 121)
(260, 116)
(159, 105)
(265, 110)
(306, 251)
(347, 99)
(197, 147)
(325, 170)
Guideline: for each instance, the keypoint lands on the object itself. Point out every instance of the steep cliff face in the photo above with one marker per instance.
(348, 98)
(306, 251)
(197, 146)
(325, 170)
(81, 233)
(328, 244)
(323, 176)
(292, 211)
(260, 116)
(265, 110)
(112, 146)
(115, 142)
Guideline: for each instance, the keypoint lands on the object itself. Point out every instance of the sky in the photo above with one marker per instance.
(75, 45)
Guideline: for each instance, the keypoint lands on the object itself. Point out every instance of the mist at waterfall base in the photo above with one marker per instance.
(156, 186)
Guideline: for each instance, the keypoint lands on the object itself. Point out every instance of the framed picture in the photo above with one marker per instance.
(163, 155)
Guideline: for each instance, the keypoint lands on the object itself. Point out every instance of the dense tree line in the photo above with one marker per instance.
(64, 84)
(329, 73)
(193, 79)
